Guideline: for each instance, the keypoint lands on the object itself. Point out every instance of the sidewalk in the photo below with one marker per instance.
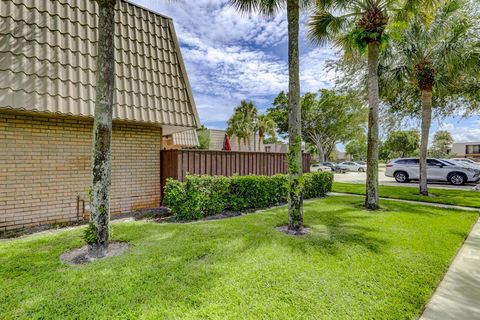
(458, 295)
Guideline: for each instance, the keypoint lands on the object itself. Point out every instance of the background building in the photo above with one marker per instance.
(466, 149)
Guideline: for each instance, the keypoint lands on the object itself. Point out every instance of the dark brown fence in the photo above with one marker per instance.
(177, 163)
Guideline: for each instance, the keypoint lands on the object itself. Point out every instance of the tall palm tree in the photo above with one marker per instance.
(435, 61)
(359, 25)
(265, 125)
(268, 8)
(98, 231)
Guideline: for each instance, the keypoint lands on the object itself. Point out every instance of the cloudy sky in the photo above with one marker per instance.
(231, 56)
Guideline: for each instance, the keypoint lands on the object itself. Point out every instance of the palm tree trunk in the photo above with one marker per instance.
(295, 190)
(426, 121)
(371, 200)
(102, 132)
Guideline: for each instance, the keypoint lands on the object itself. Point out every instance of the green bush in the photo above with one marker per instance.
(252, 192)
(197, 197)
(317, 184)
(201, 196)
(175, 195)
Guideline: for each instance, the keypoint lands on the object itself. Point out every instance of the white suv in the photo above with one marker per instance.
(404, 170)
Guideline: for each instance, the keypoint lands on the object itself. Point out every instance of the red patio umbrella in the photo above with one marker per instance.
(226, 144)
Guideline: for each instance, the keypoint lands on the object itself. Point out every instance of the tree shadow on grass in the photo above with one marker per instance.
(179, 264)
(336, 228)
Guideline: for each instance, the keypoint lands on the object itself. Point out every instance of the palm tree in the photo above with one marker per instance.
(434, 62)
(98, 231)
(265, 125)
(268, 8)
(359, 25)
(243, 122)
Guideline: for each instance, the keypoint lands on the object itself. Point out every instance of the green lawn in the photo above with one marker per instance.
(354, 264)
(454, 197)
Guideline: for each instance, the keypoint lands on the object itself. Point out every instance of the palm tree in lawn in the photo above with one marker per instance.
(265, 125)
(268, 8)
(359, 25)
(433, 62)
(97, 234)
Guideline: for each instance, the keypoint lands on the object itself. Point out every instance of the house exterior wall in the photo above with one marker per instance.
(466, 149)
(180, 140)
(276, 147)
(45, 165)
(217, 137)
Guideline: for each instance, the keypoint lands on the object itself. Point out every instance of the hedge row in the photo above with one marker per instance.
(201, 196)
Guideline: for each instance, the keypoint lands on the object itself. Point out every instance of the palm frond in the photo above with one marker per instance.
(264, 7)
(323, 26)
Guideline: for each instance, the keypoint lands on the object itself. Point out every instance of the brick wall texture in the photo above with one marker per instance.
(45, 165)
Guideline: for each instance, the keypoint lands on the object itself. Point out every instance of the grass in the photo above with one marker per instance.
(454, 197)
(354, 264)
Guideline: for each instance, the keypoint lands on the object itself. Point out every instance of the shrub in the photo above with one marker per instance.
(317, 184)
(248, 192)
(174, 195)
(197, 197)
(201, 196)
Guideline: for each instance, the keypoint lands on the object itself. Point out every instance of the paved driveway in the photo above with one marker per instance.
(359, 177)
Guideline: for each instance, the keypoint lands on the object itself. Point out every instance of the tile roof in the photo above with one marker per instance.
(188, 138)
(47, 62)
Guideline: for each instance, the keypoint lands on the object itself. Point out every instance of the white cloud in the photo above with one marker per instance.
(463, 133)
(231, 56)
(313, 75)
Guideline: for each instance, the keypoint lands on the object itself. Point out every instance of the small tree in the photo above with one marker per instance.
(357, 147)
(328, 118)
(243, 122)
(402, 143)
(97, 234)
(265, 125)
(203, 138)
(441, 144)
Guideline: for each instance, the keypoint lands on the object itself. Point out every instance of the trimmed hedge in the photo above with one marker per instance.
(201, 196)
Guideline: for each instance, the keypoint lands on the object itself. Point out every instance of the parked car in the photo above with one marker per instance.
(467, 161)
(319, 167)
(406, 169)
(353, 166)
(336, 167)
(461, 163)
(363, 163)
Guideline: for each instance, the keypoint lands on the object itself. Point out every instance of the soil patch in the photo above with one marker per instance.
(80, 255)
(285, 230)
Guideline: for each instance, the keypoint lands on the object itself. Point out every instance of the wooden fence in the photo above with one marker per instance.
(177, 163)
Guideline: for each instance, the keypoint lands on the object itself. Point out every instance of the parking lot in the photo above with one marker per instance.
(360, 177)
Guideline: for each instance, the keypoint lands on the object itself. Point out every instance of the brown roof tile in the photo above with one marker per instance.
(47, 62)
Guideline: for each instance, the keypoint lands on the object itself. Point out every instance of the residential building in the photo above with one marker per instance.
(181, 140)
(217, 139)
(466, 149)
(47, 103)
(276, 147)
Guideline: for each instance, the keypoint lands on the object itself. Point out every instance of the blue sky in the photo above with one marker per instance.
(231, 56)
